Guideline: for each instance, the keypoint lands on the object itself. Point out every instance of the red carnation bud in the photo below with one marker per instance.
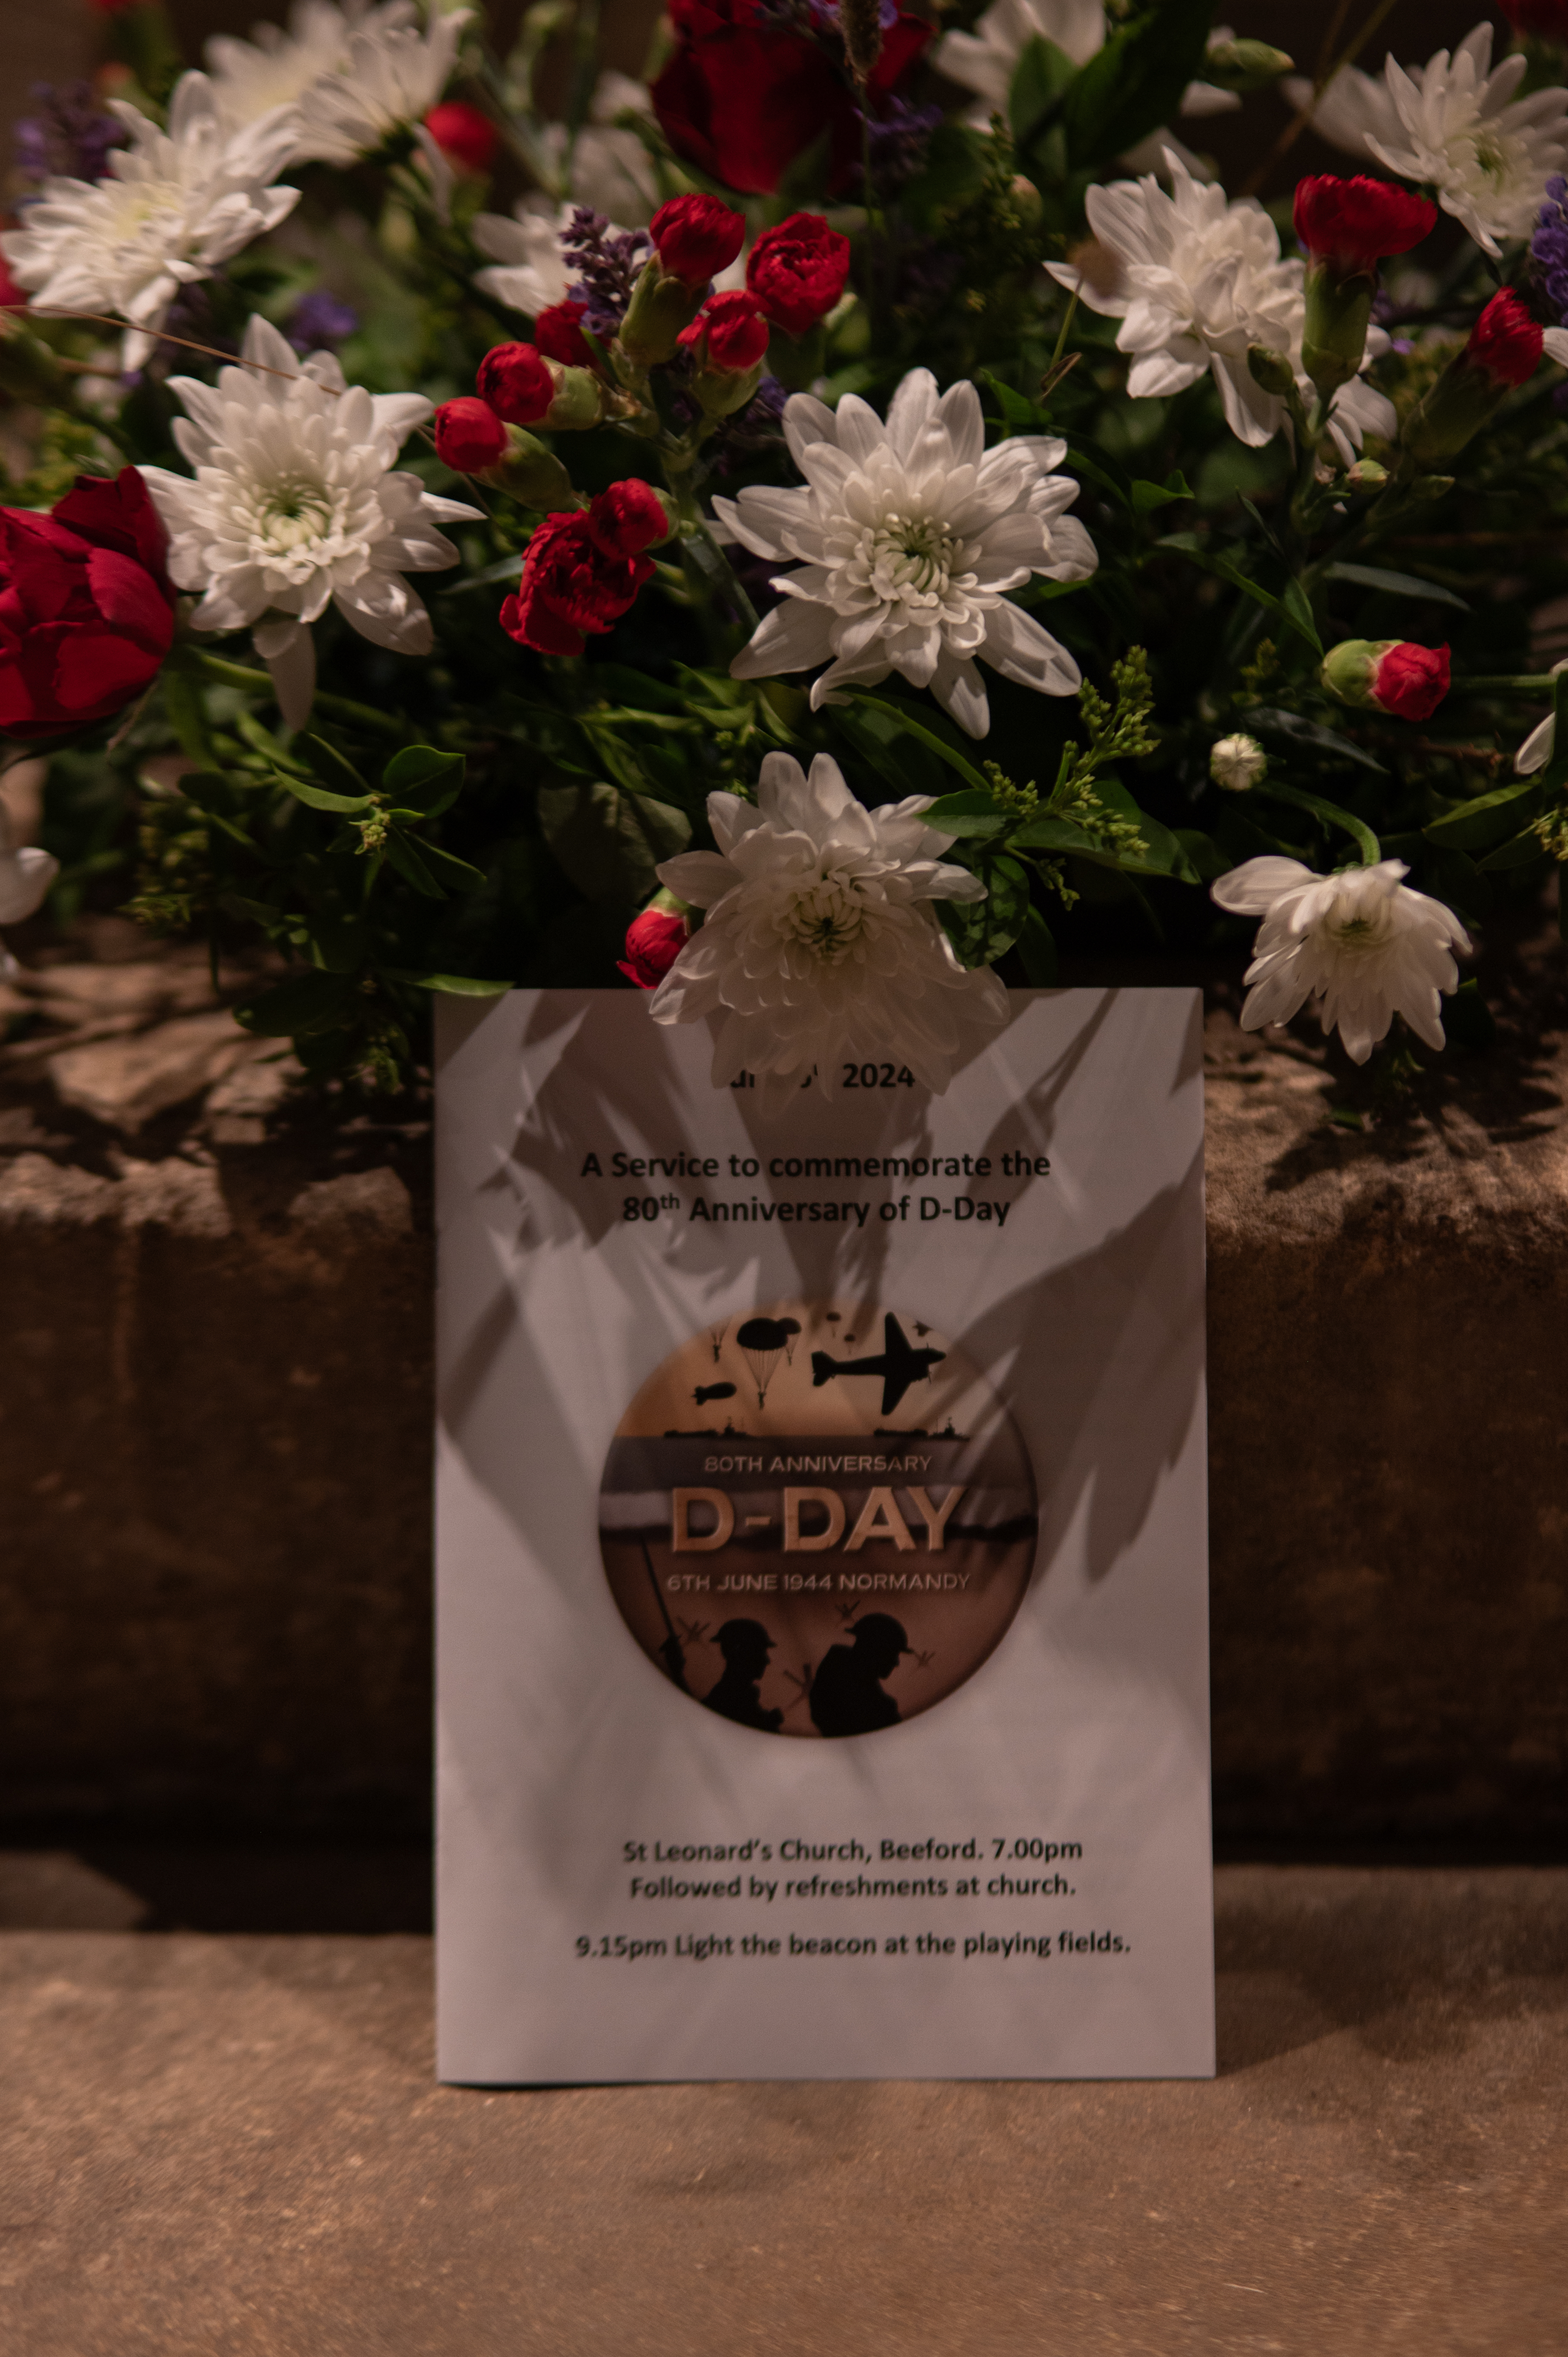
(469, 436)
(1353, 224)
(1505, 341)
(696, 237)
(464, 136)
(729, 333)
(629, 517)
(653, 942)
(558, 332)
(1410, 680)
(797, 272)
(518, 383)
(1540, 20)
(572, 585)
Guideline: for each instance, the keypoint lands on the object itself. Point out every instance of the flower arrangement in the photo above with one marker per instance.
(873, 516)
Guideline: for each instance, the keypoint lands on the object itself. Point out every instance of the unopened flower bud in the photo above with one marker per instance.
(661, 305)
(531, 474)
(1504, 351)
(1388, 675)
(1366, 477)
(655, 940)
(1348, 227)
(1244, 65)
(1272, 369)
(728, 342)
(469, 436)
(1237, 763)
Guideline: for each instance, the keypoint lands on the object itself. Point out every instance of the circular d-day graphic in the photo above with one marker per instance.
(817, 1518)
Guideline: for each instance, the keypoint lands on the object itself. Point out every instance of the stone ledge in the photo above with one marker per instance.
(236, 2144)
(215, 1434)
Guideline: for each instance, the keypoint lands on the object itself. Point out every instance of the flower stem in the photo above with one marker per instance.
(1331, 814)
(339, 707)
(1542, 682)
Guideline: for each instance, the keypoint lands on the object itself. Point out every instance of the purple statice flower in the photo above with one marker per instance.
(321, 320)
(898, 140)
(65, 134)
(608, 267)
(1549, 246)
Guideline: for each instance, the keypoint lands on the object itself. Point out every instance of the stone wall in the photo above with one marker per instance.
(215, 1411)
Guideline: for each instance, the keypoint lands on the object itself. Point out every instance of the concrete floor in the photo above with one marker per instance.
(232, 2145)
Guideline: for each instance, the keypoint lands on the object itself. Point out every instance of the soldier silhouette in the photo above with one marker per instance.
(846, 1691)
(746, 1646)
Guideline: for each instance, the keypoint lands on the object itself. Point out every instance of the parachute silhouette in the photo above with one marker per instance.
(791, 1326)
(716, 1336)
(763, 1341)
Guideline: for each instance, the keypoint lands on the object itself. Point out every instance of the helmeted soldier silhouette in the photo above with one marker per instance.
(846, 1692)
(746, 1646)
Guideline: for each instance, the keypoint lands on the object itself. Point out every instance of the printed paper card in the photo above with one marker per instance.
(822, 1555)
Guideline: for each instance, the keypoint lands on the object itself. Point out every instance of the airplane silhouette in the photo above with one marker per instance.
(899, 1366)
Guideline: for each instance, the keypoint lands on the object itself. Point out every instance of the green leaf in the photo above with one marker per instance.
(319, 799)
(1519, 851)
(968, 816)
(1039, 79)
(1148, 496)
(424, 776)
(1045, 832)
(458, 872)
(1266, 720)
(1397, 585)
(330, 766)
(1296, 608)
(1487, 820)
(954, 171)
(954, 760)
(1291, 605)
(401, 855)
(1134, 83)
(1037, 952)
(456, 985)
(609, 843)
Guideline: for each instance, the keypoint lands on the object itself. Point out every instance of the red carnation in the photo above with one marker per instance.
(696, 237)
(516, 381)
(469, 436)
(1505, 341)
(558, 333)
(653, 942)
(86, 612)
(1353, 224)
(464, 136)
(1410, 681)
(729, 333)
(743, 96)
(1544, 20)
(571, 585)
(627, 518)
(797, 272)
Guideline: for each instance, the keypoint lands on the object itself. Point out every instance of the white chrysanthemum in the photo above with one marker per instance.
(393, 76)
(986, 59)
(821, 944)
(1353, 109)
(1197, 279)
(1542, 742)
(276, 67)
(1362, 941)
(530, 272)
(25, 875)
(172, 206)
(294, 505)
(907, 538)
(1487, 161)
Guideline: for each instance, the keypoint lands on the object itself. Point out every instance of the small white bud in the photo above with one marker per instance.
(1237, 763)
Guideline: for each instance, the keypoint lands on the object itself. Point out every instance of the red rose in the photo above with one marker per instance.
(696, 237)
(86, 613)
(464, 136)
(797, 272)
(571, 585)
(469, 436)
(742, 97)
(1353, 224)
(627, 518)
(558, 333)
(653, 942)
(1410, 681)
(1505, 341)
(516, 381)
(729, 333)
